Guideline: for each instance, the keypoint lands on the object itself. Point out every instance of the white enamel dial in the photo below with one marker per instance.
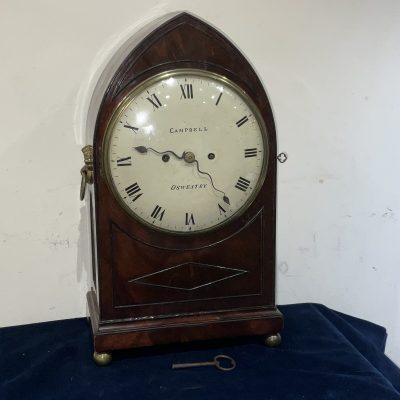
(186, 151)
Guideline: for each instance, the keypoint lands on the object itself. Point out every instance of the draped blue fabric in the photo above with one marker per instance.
(324, 355)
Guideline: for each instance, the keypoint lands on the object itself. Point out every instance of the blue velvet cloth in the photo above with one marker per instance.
(324, 355)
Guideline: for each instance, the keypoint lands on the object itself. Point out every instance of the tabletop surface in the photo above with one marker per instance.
(324, 355)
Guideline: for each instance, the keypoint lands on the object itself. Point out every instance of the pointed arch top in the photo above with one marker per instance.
(180, 40)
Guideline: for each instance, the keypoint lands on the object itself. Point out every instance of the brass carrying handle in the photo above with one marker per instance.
(87, 169)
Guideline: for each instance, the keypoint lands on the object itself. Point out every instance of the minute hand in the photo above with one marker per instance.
(225, 197)
(190, 158)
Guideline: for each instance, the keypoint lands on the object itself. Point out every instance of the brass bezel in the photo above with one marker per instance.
(124, 103)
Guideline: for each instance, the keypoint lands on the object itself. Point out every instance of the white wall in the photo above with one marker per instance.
(332, 72)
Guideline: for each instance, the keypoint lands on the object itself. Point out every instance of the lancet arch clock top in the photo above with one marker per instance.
(183, 200)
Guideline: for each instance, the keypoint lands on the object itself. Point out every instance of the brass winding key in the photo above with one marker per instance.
(216, 362)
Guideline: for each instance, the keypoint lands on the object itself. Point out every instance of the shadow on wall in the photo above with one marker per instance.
(84, 260)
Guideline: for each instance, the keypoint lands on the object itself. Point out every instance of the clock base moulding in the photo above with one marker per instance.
(126, 334)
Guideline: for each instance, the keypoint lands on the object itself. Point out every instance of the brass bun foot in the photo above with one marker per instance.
(102, 359)
(273, 340)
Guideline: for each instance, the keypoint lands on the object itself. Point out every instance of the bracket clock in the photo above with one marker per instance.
(183, 194)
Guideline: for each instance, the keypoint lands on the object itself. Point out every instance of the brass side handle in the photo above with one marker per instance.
(87, 169)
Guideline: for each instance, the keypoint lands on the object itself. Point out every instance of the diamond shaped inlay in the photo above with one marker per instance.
(188, 276)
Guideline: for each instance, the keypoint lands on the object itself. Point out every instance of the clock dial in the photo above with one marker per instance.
(185, 151)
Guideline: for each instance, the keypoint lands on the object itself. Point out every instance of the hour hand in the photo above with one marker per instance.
(141, 149)
(144, 150)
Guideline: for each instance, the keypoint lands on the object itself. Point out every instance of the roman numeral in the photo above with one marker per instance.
(242, 184)
(157, 213)
(122, 162)
(187, 91)
(133, 191)
(250, 153)
(153, 99)
(189, 220)
(242, 121)
(219, 98)
(221, 209)
(134, 129)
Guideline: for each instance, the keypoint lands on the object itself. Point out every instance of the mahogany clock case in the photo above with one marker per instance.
(151, 287)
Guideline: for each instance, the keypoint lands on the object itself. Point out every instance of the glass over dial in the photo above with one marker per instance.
(186, 151)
